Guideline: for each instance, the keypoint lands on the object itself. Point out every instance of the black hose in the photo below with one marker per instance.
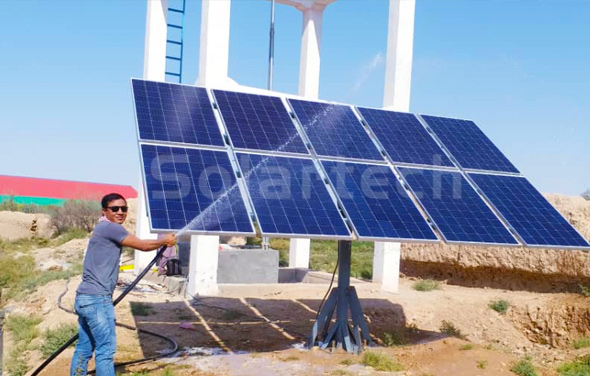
(119, 298)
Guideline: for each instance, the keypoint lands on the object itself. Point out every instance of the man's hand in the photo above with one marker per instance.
(170, 240)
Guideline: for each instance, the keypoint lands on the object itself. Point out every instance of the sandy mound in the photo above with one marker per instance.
(16, 225)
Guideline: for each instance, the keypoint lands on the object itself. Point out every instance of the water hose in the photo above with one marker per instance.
(119, 298)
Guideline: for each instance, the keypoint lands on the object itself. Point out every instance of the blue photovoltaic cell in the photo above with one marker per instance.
(404, 138)
(457, 210)
(290, 198)
(533, 218)
(177, 113)
(376, 203)
(469, 145)
(190, 185)
(259, 122)
(335, 131)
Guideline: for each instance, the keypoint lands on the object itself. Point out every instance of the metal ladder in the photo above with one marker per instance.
(175, 45)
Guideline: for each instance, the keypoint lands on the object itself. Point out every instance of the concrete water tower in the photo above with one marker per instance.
(213, 72)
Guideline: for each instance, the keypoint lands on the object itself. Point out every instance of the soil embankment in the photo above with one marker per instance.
(515, 268)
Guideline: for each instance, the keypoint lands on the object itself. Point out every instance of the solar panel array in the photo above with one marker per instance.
(334, 130)
(531, 215)
(289, 198)
(404, 139)
(378, 206)
(458, 211)
(397, 177)
(193, 187)
(175, 113)
(258, 122)
(469, 145)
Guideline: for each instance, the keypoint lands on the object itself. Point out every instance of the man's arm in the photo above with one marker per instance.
(133, 241)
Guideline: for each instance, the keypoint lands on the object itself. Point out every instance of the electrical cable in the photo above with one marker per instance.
(119, 298)
(329, 288)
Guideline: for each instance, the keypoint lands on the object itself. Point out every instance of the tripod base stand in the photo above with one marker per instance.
(344, 301)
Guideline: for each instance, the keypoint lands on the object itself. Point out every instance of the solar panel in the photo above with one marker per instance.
(469, 145)
(186, 185)
(175, 113)
(335, 131)
(258, 122)
(533, 218)
(455, 207)
(404, 138)
(289, 198)
(376, 203)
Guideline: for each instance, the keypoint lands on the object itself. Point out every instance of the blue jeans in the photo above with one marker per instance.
(96, 328)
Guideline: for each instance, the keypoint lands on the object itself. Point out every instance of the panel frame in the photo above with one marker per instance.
(337, 204)
(539, 246)
(455, 242)
(174, 143)
(371, 238)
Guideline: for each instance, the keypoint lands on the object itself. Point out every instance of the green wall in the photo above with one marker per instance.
(42, 201)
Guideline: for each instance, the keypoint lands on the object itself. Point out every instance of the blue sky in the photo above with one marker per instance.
(520, 69)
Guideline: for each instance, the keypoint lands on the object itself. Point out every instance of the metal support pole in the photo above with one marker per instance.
(342, 300)
(271, 48)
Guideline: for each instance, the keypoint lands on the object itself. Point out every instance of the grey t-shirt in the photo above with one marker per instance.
(101, 264)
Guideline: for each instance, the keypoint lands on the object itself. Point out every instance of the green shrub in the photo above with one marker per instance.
(395, 338)
(524, 367)
(75, 214)
(584, 290)
(467, 346)
(450, 329)
(141, 309)
(581, 343)
(426, 285)
(16, 363)
(55, 338)
(482, 364)
(381, 362)
(579, 367)
(23, 328)
(500, 306)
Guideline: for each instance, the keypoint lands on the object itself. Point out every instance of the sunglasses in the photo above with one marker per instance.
(115, 209)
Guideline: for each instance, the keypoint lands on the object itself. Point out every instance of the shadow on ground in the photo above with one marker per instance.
(261, 325)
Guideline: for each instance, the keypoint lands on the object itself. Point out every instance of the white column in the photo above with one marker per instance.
(214, 47)
(154, 68)
(213, 65)
(311, 38)
(398, 63)
(299, 253)
(309, 87)
(386, 260)
(398, 81)
(204, 258)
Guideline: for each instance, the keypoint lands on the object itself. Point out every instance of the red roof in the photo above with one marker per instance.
(63, 189)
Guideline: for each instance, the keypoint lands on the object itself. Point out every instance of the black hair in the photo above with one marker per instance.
(110, 197)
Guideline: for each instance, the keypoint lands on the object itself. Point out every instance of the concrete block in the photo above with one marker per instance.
(248, 266)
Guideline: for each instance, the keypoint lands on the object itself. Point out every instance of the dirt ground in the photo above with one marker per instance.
(260, 330)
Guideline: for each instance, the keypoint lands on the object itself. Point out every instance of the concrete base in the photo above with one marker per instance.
(248, 266)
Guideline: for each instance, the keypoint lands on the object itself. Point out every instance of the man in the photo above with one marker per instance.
(94, 297)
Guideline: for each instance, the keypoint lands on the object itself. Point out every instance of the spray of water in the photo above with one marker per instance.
(218, 211)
